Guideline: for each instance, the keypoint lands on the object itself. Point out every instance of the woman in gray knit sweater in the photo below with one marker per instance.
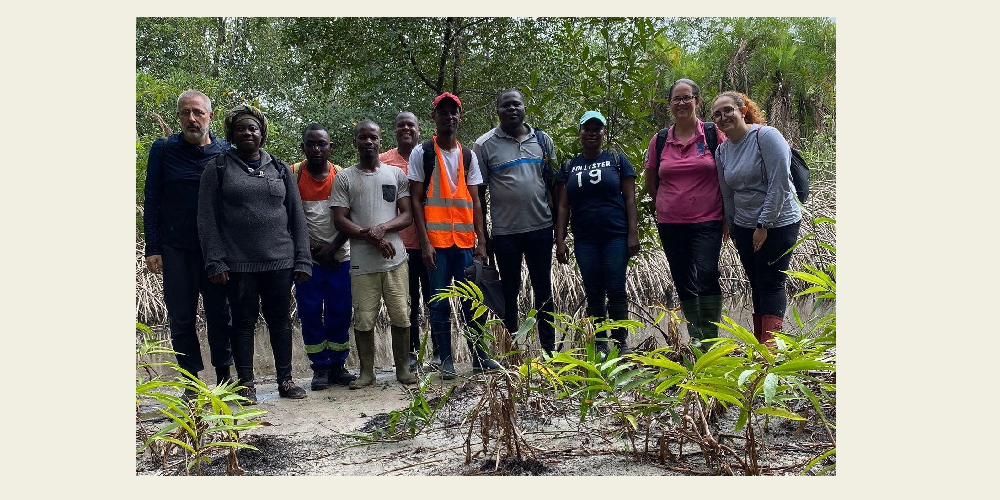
(760, 205)
(254, 238)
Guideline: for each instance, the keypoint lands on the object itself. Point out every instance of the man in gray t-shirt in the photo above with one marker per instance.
(513, 163)
(371, 204)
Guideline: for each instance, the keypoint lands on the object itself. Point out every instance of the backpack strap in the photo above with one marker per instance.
(711, 137)
(429, 159)
(545, 142)
(661, 140)
(220, 167)
(549, 171)
(297, 170)
(466, 157)
(282, 168)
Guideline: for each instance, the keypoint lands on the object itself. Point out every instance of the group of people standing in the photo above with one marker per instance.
(228, 221)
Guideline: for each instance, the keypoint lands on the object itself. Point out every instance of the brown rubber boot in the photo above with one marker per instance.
(401, 354)
(366, 358)
(769, 325)
(757, 318)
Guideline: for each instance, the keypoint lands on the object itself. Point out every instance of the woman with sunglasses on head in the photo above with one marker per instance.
(763, 217)
(684, 185)
(597, 188)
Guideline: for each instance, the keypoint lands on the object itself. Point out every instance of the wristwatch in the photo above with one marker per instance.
(760, 226)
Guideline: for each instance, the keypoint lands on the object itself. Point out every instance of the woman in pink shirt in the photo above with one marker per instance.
(684, 184)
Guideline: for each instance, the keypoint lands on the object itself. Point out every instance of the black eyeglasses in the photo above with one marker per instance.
(320, 144)
(683, 99)
(726, 111)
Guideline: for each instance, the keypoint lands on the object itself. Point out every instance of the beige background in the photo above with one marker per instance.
(907, 385)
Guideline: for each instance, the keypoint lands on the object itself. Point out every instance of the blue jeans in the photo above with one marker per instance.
(451, 264)
(184, 278)
(535, 249)
(693, 255)
(269, 293)
(602, 267)
(764, 267)
(324, 307)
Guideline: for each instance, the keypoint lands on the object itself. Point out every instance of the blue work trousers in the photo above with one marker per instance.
(324, 308)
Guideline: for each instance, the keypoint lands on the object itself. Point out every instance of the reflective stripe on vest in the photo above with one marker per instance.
(449, 216)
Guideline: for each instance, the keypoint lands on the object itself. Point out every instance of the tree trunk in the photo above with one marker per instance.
(220, 42)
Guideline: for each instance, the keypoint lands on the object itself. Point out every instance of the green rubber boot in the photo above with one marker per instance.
(693, 316)
(401, 354)
(366, 358)
(710, 310)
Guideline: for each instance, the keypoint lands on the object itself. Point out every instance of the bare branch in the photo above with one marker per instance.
(413, 63)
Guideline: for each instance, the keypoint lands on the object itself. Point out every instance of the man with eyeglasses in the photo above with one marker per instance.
(324, 300)
(173, 175)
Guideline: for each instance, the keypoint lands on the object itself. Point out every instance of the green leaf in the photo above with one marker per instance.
(770, 387)
(668, 383)
(778, 412)
(635, 383)
(744, 375)
(717, 393)
(799, 365)
(479, 312)
(712, 356)
(818, 459)
(526, 327)
(741, 420)
(660, 362)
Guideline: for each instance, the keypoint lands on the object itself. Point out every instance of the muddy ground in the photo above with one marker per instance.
(314, 437)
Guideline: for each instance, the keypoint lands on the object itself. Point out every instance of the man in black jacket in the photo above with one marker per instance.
(173, 175)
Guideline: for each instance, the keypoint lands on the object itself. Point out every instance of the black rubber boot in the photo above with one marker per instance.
(481, 361)
(621, 338)
(442, 338)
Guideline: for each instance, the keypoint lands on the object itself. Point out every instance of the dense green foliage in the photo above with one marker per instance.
(337, 71)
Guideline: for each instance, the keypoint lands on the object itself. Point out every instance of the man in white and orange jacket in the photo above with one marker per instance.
(449, 221)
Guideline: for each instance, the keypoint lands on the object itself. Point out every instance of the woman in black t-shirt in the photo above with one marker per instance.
(597, 188)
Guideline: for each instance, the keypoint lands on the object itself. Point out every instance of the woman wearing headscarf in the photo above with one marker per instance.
(685, 188)
(597, 192)
(254, 237)
(754, 169)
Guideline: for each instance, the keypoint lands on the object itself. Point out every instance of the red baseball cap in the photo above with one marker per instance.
(447, 95)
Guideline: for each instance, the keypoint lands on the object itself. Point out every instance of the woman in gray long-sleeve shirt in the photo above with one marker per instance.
(760, 207)
(254, 238)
